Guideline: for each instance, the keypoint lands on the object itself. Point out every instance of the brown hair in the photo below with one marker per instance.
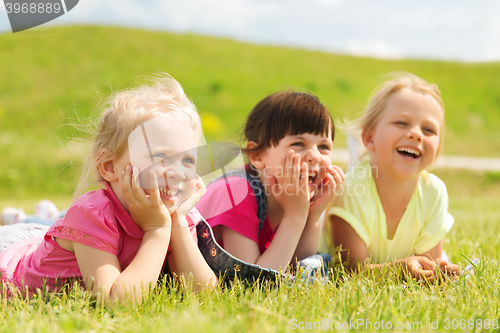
(286, 113)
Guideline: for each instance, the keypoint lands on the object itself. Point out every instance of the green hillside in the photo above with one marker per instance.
(49, 76)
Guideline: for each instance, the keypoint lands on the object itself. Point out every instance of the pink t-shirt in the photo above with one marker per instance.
(96, 219)
(217, 208)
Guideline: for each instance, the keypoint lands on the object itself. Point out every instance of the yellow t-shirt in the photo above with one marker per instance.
(425, 221)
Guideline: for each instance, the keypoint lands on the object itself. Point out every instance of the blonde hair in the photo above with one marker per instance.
(126, 110)
(378, 100)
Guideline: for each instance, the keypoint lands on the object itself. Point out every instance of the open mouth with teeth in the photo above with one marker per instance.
(312, 178)
(170, 193)
(409, 152)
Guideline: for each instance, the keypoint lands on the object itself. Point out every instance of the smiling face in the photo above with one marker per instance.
(406, 138)
(315, 150)
(169, 148)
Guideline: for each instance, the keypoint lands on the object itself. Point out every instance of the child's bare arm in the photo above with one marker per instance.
(102, 274)
(290, 190)
(355, 253)
(101, 271)
(277, 256)
(436, 254)
(327, 183)
(187, 258)
(354, 250)
(240, 246)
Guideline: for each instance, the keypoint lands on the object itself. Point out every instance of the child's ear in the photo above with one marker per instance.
(367, 137)
(106, 165)
(255, 159)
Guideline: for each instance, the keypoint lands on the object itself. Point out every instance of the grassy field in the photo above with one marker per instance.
(51, 76)
(353, 301)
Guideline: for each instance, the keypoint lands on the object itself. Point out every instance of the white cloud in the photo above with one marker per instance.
(223, 16)
(4, 20)
(373, 48)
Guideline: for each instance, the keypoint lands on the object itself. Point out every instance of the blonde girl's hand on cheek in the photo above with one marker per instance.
(329, 178)
(187, 205)
(148, 211)
(185, 258)
(289, 186)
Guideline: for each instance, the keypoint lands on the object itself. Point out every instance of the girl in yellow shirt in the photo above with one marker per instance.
(390, 208)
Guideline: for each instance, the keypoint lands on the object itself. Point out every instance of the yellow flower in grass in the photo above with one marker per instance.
(212, 126)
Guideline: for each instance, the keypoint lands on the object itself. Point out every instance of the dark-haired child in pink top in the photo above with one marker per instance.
(290, 181)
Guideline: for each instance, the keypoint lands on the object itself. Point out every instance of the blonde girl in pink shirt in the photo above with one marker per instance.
(116, 240)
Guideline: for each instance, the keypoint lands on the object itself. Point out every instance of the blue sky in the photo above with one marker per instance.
(390, 29)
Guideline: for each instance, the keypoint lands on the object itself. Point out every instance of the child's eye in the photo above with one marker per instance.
(298, 144)
(160, 155)
(430, 130)
(189, 160)
(400, 123)
(324, 147)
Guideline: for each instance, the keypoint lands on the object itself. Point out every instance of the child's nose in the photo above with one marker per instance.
(415, 133)
(313, 155)
(175, 172)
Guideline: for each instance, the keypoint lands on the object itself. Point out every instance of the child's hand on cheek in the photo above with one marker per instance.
(329, 178)
(147, 211)
(289, 186)
(187, 205)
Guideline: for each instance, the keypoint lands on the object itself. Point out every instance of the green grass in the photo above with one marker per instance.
(52, 75)
(473, 203)
(262, 309)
